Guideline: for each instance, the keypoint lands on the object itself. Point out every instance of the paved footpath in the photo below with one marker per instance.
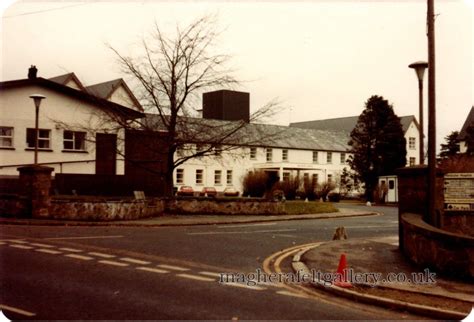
(421, 293)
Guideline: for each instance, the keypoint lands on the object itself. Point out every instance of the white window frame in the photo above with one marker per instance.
(253, 153)
(412, 143)
(343, 158)
(315, 157)
(284, 155)
(40, 139)
(199, 176)
(179, 176)
(6, 137)
(286, 176)
(329, 157)
(269, 154)
(412, 161)
(217, 177)
(73, 141)
(229, 177)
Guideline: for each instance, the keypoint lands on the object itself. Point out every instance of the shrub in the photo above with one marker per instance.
(309, 187)
(334, 197)
(323, 190)
(255, 184)
(289, 187)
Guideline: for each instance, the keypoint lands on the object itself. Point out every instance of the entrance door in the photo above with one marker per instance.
(106, 153)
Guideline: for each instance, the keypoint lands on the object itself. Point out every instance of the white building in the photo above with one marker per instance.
(462, 135)
(66, 117)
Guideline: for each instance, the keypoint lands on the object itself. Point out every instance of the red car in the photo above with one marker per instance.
(185, 191)
(208, 192)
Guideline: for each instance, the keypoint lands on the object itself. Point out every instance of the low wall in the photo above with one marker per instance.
(448, 253)
(459, 223)
(105, 210)
(13, 206)
(226, 206)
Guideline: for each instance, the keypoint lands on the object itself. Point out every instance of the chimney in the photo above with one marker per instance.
(32, 71)
(226, 105)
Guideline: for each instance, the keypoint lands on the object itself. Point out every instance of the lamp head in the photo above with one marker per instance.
(419, 68)
(37, 99)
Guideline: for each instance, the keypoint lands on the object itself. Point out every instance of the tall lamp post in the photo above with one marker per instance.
(37, 100)
(419, 68)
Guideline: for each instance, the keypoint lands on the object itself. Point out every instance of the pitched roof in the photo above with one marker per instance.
(106, 89)
(469, 121)
(64, 79)
(258, 135)
(72, 92)
(346, 124)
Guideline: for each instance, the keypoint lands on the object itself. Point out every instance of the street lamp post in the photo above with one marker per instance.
(37, 100)
(419, 68)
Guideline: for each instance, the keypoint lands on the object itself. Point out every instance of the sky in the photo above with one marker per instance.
(320, 59)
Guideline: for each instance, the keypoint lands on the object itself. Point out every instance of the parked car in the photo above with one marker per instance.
(208, 192)
(185, 191)
(231, 192)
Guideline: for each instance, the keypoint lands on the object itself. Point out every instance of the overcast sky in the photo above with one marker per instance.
(322, 59)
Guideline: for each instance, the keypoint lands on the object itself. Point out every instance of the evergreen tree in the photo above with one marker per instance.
(378, 143)
(451, 147)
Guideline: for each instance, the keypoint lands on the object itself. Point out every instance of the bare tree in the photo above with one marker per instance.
(171, 74)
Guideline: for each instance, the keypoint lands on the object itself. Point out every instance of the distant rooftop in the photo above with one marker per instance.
(469, 121)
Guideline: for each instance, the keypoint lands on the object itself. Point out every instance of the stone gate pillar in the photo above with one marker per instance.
(35, 182)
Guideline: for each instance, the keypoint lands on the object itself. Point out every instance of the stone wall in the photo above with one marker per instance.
(226, 206)
(105, 210)
(459, 222)
(13, 206)
(446, 252)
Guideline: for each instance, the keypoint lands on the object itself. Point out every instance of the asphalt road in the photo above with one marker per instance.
(169, 272)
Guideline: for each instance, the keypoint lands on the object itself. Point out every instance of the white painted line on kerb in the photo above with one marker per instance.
(16, 310)
(101, 255)
(84, 258)
(173, 268)
(41, 245)
(113, 263)
(21, 246)
(84, 237)
(256, 288)
(291, 294)
(196, 277)
(134, 261)
(47, 251)
(153, 270)
(210, 274)
(72, 250)
(241, 232)
(247, 225)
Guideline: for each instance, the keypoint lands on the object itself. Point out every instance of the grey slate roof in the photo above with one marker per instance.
(469, 121)
(103, 90)
(64, 79)
(263, 135)
(346, 124)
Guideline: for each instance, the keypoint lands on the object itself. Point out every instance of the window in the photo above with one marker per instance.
(329, 178)
(329, 157)
(343, 158)
(44, 138)
(199, 176)
(229, 177)
(180, 176)
(315, 178)
(315, 156)
(391, 184)
(217, 177)
(412, 143)
(286, 176)
(306, 177)
(284, 155)
(74, 140)
(269, 153)
(412, 161)
(6, 137)
(253, 153)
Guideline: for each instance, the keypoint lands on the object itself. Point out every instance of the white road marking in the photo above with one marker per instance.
(241, 232)
(16, 310)
(101, 255)
(47, 251)
(256, 288)
(85, 258)
(72, 250)
(41, 245)
(134, 261)
(153, 270)
(173, 268)
(210, 274)
(291, 294)
(2, 243)
(84, 237)
(21, 246)
(247, 225)
(113, 263)
(19, 241)
(196, 277)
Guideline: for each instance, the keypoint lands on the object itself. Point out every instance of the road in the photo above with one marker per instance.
(169, 272)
